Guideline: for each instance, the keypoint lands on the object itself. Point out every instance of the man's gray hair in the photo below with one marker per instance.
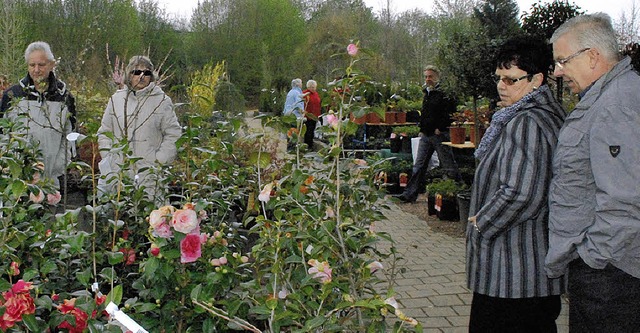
(591, 31)
(312, 83)
(39, 46)
(296, 83)
(433, 69)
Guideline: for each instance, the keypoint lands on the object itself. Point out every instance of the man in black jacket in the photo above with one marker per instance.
(435, 120)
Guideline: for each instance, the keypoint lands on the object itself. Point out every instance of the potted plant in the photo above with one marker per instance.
(413, 111)
(402, 106)
(458, 129)
(407, 133)
(444, 193)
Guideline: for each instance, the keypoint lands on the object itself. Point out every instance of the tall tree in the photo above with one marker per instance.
(544, 19)
(628, 25)
(12, 26)
(499, 18)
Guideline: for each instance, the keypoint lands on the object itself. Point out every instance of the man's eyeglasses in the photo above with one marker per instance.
(139, 71)
(509, 81)
(561, 62)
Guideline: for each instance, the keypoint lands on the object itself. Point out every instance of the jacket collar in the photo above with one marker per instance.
(592, 93)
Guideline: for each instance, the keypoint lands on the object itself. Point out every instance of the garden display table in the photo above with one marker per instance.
(466, 144)
(383, 128)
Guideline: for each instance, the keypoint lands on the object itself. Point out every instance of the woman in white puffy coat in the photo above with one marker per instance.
(142, 114)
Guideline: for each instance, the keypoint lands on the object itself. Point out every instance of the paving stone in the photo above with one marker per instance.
(431, 279)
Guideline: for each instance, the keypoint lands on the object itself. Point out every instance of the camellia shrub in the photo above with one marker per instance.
(249, 238)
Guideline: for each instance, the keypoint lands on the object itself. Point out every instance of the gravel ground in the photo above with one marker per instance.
(419, 209)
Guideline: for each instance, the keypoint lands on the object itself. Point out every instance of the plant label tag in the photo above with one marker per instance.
(438, 204)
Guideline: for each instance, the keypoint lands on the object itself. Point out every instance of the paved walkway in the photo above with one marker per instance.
(431, 279)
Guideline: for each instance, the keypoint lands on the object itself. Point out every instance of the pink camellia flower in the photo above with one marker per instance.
(329, 213)
(54, 198)
(374, 266)
(265, 194)
(36, 178)
(352, 49)
(36, 198)
(160, 215)
(14, 269)
(185, 220)
(360, 162)
(190, 249)
(320, 270)
(163, 231)
(332, 120)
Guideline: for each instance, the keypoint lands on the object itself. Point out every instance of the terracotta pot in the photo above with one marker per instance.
(390, 117)
(401, 117)
(458, 134)
(373, 118)
(472, 133)
(360, 120)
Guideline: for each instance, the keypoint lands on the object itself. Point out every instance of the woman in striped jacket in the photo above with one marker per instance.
(507, 235)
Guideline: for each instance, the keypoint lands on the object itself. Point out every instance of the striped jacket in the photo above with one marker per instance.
(505, 257)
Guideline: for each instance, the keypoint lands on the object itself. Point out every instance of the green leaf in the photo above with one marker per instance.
(314, 323)
(195, 292)
(18, 187)
(146, 307)
(151, 266)
(31, 323)
(115, 257)
(84, 277)
(29, 274)
(115, 295)
(4, 285)
(48, 267)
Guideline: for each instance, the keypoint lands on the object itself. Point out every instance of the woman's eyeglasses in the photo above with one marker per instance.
(509, 81)
(139, 72)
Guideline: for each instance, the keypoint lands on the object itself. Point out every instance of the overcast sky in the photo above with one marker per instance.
(612, 7)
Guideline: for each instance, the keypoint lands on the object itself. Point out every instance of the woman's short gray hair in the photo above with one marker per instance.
(312, 83)
(591, 31)
(139, 61)
(39, 46)
(296, 83)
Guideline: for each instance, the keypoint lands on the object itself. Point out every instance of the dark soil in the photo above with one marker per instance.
(419, 209)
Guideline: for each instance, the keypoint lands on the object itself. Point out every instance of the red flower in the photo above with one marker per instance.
(68, 307)
(17, 302)
(100, 299)
(130, 256)
(190, 249)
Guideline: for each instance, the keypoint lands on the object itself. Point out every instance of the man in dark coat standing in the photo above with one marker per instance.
(435, 120)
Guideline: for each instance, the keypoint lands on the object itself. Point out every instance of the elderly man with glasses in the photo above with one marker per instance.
(594, 198)
(45, 106)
